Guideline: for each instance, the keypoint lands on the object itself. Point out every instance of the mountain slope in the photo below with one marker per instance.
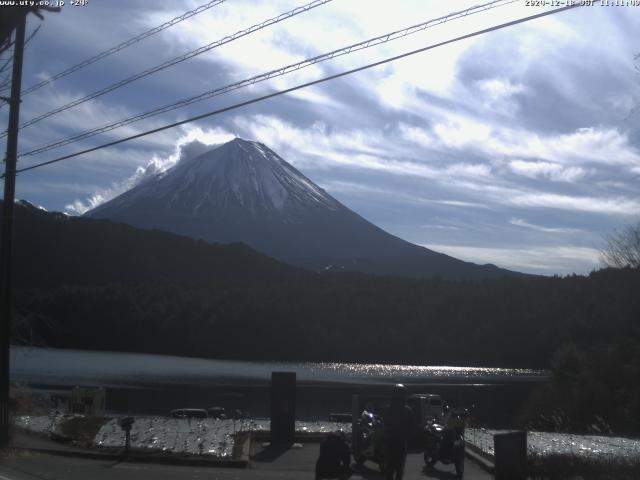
(242, 191)
(53, 250)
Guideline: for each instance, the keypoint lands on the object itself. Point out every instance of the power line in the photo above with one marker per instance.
(5, 82)
(387, 37)
(124, 45)
(176, 60)
(298, 87)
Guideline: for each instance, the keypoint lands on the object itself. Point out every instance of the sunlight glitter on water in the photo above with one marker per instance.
(421, 371)
(61, 367)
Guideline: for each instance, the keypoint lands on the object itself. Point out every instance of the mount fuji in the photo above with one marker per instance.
(242, 191)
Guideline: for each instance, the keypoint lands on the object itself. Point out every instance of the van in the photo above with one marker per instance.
(426, 405)
(188, 413)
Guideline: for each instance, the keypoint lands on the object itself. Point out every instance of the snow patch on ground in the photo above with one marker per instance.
(541, 444)
(184, 435)
(194, 436)
(41, 423)
(215, 437)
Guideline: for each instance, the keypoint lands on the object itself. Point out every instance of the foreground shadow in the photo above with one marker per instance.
(439, 474)
(365, 472)
(270, 453)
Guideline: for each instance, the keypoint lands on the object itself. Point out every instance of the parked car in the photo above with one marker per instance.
(189, 413)
(217, 412)
(340, 417)
(426, 406)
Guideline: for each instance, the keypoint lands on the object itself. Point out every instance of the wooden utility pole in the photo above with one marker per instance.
(7, 228)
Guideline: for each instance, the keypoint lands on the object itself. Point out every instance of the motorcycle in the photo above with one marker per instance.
(444, 442)
(369, 444)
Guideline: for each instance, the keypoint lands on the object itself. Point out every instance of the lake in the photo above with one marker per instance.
(117, 369)
(154, 384)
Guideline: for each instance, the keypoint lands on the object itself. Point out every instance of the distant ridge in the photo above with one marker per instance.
(53, 250)
(242, 191)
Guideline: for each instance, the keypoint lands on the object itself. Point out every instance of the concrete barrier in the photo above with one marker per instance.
(510, 455)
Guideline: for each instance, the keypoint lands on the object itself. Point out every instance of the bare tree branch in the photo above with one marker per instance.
(623, 247)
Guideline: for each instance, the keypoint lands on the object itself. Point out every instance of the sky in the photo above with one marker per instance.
(519, 147)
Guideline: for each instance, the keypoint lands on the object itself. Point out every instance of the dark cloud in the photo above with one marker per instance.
(567, 84)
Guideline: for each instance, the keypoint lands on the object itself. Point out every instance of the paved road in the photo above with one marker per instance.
(291, 464)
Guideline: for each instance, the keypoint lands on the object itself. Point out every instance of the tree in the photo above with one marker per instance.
(623, 247)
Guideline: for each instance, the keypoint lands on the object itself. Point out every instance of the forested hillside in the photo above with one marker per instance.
(515, 323)
(93, 284)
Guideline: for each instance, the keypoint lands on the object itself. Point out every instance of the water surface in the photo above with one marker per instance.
(116, 369)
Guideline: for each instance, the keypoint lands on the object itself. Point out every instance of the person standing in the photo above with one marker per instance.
(335, 457)
(397, 421)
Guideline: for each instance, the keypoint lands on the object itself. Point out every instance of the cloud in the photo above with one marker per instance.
(295, 142)
(606, 205)
(353, 147)
(541, 260)
(498, 94)
(86, 116)
(500, 88)
(360, 149)
(263, 50)
(416, 135)
(594, 144)
(474, 170)
(607, 146)
(549, 170)
(539, 228)
(363, 190)
(193, 143)
(528, 124)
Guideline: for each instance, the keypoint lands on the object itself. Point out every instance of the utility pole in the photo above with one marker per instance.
(7, 228)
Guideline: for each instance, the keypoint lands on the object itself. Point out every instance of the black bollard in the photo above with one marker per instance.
(283, 408)
(510, 455)
(126, 424)
(355, 424)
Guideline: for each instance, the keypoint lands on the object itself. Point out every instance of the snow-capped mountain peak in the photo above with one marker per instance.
(242, 191)
(239, 173)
